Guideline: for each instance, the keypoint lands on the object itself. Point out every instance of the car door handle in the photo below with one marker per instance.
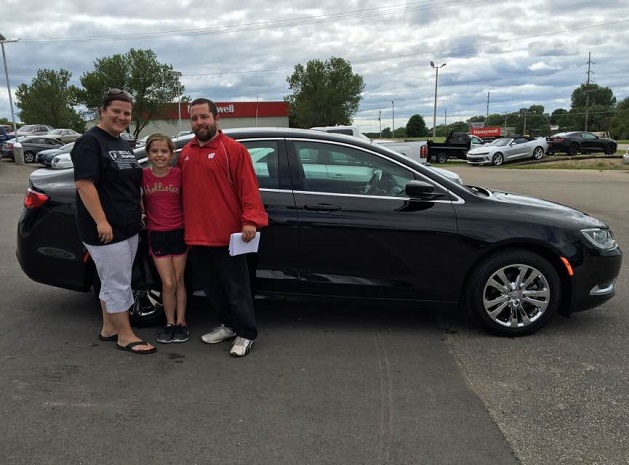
(322, 207)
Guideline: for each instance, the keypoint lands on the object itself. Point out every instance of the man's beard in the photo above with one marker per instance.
(205, 134)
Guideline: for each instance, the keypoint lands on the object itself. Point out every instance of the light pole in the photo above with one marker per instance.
(178, 74)
(434, 111)
(393, 117)
(4, 40)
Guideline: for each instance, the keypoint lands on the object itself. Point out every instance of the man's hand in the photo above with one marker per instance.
(248, 232)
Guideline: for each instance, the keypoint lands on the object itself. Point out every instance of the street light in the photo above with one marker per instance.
(434, 111)
(393, 123)
(178, 74)
(4, 40)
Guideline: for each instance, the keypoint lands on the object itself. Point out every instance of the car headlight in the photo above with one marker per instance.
(600, 238)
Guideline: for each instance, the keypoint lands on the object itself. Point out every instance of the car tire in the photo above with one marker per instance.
(29, 157)
(610, 149)
(147, 308)
(514, 293)
(442, 157)
(573, 149)
(498, 159)
(538, 153)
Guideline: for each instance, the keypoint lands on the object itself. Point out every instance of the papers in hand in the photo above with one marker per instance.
(237, 246)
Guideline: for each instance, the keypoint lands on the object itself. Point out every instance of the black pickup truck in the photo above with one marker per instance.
(456, 145)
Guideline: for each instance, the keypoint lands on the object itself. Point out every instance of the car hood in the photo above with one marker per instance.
(482, 150)
(548, 208)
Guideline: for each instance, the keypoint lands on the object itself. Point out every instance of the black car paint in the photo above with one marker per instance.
(575, 142)
(419, 249)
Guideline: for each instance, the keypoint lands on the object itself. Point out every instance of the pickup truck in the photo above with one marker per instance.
(456, 145)
(415, 150)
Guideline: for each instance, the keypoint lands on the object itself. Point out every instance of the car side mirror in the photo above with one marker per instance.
(419, 189)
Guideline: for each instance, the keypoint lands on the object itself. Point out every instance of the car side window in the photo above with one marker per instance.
(341, 169)
(264, 156)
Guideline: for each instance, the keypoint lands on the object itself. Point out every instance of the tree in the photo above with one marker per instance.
(50, 100)
(138, 72)
(619, 123)
(324, 93)
(416, 126)
(592, 107)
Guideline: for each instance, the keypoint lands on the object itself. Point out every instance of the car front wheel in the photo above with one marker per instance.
(573, 149)
(498, 159)
(514, 293)
(611, 149)
(29, 157)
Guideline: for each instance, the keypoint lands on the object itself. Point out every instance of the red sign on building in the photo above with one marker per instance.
(488, 131)
(236, 109)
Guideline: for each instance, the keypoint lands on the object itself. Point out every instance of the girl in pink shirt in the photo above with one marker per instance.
(161, 197)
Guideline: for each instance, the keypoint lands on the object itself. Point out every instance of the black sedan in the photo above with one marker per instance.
(351, 219)
(580, 142)
(31, 147)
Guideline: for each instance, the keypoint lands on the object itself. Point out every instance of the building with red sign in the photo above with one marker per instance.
(232, 115)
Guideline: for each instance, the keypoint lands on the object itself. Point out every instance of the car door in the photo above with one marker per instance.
(517, 149)
(591, 143)
(359, 234)
(275, 262)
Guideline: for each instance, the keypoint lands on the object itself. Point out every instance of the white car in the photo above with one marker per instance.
(507, 149)
(62, 161)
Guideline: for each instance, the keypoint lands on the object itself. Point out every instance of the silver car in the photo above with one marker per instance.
(507, 149)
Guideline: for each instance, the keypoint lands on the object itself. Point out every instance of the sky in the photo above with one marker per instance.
(500, 55)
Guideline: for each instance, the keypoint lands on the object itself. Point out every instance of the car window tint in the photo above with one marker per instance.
(264, 156)
(346, 170)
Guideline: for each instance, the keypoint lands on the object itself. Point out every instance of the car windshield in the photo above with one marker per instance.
(66, 148)
(500, 142)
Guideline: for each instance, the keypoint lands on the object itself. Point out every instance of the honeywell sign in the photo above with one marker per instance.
(239, 110)
(489, 131)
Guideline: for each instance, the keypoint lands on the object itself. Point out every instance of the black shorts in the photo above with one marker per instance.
(167, 243)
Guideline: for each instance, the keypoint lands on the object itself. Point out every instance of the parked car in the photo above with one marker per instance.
(61, 161)
(625, 157)
(65, 135)
(31, 130)
(31, 147)
(507, 149)
(45, 156)
(580, 142)
(350, 219)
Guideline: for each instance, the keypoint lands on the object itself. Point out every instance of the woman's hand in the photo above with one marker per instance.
(105, 232)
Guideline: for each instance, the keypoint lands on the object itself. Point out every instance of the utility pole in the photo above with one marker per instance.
(380, 122)
(434, 110)
(487, 117)
(393, 116)
(588, 91)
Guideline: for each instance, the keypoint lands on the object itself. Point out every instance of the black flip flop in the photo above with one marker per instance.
(108, 338)
(129, 348)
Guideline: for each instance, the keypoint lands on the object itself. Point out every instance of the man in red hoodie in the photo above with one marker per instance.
(220, 197)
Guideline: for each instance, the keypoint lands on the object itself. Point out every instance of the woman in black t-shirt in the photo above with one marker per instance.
(107, 178)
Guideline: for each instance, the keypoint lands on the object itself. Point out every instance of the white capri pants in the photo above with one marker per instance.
(114, 264)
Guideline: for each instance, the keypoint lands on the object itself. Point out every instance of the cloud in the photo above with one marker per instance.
(521, 53)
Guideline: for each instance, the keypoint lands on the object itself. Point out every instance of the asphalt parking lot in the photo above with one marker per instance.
(325, 384)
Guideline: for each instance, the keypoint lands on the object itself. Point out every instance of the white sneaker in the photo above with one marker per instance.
(219, 334)
(241, 347)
